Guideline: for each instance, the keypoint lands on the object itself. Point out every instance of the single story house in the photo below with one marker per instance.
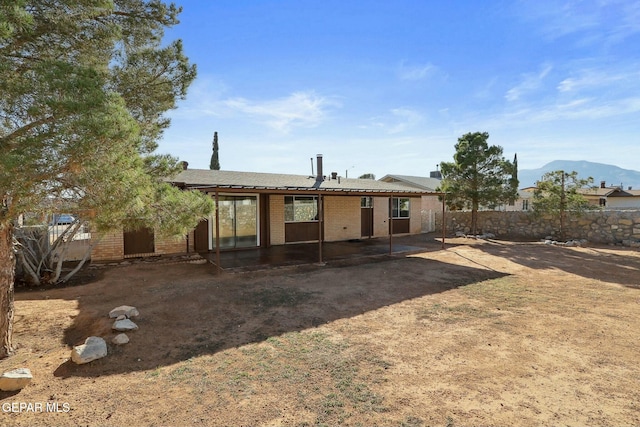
(612, 197)
(430, 203)
(265, 209)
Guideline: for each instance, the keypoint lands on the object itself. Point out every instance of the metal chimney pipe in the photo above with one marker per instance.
(319, 177)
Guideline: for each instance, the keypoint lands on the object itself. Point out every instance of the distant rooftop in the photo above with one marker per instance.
(422, 182)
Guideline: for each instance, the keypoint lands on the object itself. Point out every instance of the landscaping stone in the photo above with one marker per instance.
(124, 325)
(120, 339)
(92, 349)
(124, 310)
(16, 379)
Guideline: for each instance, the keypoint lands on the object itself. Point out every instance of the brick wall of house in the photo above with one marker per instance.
(341, 218)
(170, 245)
(110, 246)
(415, 215)
(276, 218)
(381, 216)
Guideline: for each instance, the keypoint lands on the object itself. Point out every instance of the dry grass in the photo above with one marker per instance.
(481, 334)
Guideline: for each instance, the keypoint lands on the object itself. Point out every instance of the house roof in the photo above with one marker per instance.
(608, 192)
(233, 181)
(413, 181)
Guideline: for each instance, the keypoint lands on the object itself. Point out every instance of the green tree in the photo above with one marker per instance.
(367, 176)
(558, 193)
(84, 88)
(478, 177)
(215, 162)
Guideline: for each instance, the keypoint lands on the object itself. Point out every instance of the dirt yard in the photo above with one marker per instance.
(482, 333)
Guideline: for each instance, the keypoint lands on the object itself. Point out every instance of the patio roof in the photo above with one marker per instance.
(234, 181)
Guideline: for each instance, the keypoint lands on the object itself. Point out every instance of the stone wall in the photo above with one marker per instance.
(611, 227)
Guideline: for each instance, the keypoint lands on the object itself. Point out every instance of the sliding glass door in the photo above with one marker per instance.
(238, 222)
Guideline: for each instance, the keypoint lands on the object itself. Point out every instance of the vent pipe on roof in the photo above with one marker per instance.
(319, 177)
(334, 175)
(603, 184)
(185, 165)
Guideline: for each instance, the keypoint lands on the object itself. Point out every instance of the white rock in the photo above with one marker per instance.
(92, 349)
(124, 325)
(124, 310)
(120, 339)
(121, 317)
(15, 380)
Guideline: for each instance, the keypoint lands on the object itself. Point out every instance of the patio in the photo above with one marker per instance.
(308, 253)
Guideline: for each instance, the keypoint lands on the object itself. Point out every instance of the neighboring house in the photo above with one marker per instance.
(606, 197)
(612, 197)
(264, 209)
(524, 202)
(430, 203)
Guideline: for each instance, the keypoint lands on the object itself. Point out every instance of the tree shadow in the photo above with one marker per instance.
(188, 311)
(607, 264)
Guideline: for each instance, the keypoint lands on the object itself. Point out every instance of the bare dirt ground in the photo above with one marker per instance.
(482, 333)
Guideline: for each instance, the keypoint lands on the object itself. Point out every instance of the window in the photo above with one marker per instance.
(300, 208)
(603, 201)
(366, 202)
(525, 205)
(400, 207)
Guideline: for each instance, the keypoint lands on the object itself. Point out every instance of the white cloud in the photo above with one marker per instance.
(398, 120)
(305, 109)
(300, 109)
(530, 83)
(416, 72)
(608, 21)
(596, 79)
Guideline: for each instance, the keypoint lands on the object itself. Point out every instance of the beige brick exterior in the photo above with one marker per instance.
(341, 218)
(381, 216)
(111, 246)
(170, 245)
(342, 221)
(276, 217)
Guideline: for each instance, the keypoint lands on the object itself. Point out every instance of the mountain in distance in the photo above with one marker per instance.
(612, 175)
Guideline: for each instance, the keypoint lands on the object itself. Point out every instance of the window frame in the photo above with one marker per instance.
(293, 203)
(396, 212)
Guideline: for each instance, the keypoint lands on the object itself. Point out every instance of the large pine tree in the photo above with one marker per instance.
(478, 177)
(84, 87)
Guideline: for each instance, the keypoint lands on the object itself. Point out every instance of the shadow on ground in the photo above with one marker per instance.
(606, 264)
(188, 310)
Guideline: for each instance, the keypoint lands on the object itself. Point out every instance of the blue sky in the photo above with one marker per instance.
(388, 86)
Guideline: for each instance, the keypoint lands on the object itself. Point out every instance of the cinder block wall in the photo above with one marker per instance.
(341, 218)
(276, 219)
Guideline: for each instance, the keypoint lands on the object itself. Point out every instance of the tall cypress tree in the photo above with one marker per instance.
(215, 163)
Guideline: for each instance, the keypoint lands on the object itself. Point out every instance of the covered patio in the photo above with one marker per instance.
(325, 253)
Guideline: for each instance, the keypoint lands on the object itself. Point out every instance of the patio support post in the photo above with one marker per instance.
(390, 225)
(320, 226)
(444, 226)
(218, 233)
